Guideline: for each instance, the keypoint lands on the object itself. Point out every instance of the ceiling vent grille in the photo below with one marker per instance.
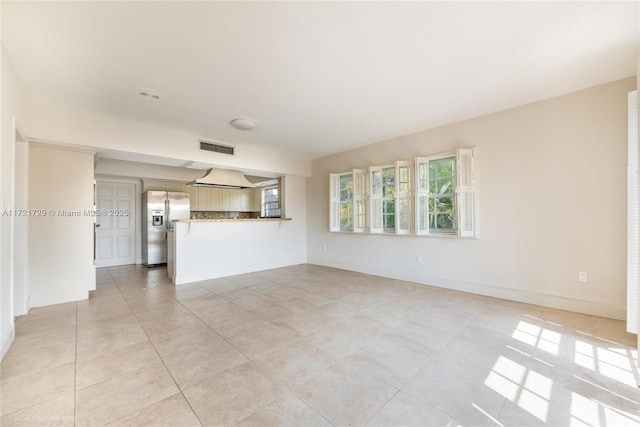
(217, 148)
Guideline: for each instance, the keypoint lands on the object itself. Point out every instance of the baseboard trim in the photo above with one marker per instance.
(7, 340)
(596, 308)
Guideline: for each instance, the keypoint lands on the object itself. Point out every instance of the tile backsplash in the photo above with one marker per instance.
(223, 215)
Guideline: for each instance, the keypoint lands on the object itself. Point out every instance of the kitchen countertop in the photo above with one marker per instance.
(231, 220)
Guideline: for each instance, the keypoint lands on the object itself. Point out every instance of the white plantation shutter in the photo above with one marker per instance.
(358, 201)
(421, 196)
(466, 192)
(633, 217)
(334, 202)
(375, 200)
(403, 200)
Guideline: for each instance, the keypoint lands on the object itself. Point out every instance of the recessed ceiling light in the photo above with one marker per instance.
(148, 93)
(243, 124)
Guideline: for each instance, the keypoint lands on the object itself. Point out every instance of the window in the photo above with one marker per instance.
(430, 195)
(389, 199)
(442, 212)
(445, 194)
(347, 203)
(270, 202)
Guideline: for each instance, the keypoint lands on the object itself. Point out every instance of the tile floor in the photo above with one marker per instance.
(312, 346)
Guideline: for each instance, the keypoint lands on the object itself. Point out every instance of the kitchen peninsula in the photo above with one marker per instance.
(201, 249)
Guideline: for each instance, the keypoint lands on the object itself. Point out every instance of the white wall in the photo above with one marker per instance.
(552, 185)
(638, 87)
(12, 121)
(295, 196)
(57, 123)
(216, 249)
(61, 247)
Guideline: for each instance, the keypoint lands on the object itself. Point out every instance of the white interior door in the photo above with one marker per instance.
(115, 225)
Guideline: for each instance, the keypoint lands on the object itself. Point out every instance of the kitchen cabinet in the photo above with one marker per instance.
(256, 200)
(209, 199)
(238, 200)
(212, 199)
(231, 200)
(153, 185)
(193, 197)
(244, 200)
(176, 186)
(215, 199)
(202, 199)
(158, 185)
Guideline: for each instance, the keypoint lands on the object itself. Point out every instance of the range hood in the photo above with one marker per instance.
(222, 178)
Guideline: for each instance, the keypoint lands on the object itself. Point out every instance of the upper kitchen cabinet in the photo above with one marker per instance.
(215, 199)
(208, 199)
(176, 186)
(202, 199)
(245, 200)
(193, 197)
(153, 185)
(158, 185)
(237, 200)
(255, 199)
(231, 200)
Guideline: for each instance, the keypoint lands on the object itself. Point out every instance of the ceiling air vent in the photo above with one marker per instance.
(216, 148)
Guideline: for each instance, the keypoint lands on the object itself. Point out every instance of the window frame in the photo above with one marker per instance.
(263, 207)
(357, 202)
(437, 195)
(402, 199)
(465, 191)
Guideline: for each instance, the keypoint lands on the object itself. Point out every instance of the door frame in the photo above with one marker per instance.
(137, 218)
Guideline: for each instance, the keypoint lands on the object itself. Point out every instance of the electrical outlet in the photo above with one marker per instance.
(582, 276)
(419, 259)
(324, 248)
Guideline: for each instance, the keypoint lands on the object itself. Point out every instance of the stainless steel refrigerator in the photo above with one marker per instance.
(159, 208)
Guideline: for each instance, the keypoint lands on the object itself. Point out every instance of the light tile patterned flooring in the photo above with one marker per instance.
(312, 346)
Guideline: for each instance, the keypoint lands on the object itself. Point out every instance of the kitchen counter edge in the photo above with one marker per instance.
(231, 220)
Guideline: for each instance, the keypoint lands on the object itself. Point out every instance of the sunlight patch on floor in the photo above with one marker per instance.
(544, 339)
(528, 389)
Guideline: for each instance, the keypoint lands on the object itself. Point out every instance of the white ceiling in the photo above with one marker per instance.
(320, 77)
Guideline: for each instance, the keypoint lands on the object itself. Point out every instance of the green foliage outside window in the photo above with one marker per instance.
(442, 215)
(346, 202)
(388, 199)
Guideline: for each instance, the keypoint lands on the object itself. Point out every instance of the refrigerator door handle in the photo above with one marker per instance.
(167, 210)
